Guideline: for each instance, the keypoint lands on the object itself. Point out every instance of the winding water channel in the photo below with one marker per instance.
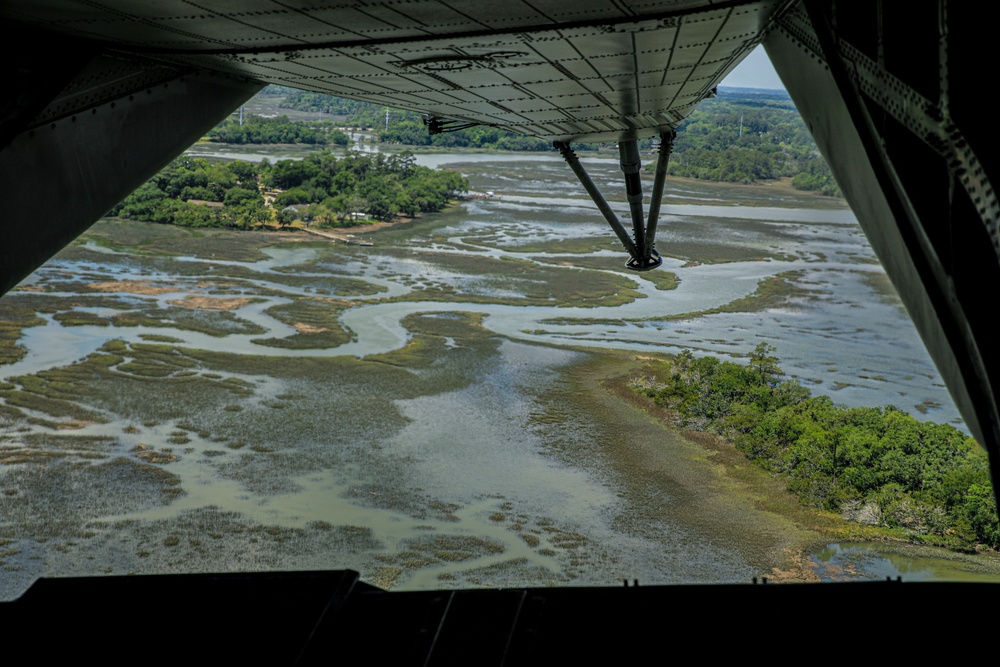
(414, 408)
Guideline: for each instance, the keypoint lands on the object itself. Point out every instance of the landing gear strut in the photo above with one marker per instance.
(641, 245)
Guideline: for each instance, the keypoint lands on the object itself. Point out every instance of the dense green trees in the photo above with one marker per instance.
(815, 176)
(744, 137)
(195, 192)
(407, 128)
(280, 130)
(380, 185)
(320, 189)
(877, 465)
(303, 100)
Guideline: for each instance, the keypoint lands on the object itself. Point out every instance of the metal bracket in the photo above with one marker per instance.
(436, 125)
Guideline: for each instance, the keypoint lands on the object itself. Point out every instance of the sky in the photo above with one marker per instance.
(754, 72)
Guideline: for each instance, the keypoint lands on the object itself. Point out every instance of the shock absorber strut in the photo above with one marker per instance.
(640, 246)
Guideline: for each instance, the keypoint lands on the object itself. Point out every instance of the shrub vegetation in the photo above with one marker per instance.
(877, 465)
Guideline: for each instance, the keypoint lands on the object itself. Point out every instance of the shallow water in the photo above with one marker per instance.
(870, 352)
(850, 561)
(437, 464)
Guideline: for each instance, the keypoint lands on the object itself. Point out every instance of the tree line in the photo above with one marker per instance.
(305, 100)
(876, 465)
(259, 130)
(740, 136)
(321, 189)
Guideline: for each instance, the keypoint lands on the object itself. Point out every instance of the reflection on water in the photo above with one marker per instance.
(847, 561)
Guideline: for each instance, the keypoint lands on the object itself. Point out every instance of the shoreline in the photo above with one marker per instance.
(719, 489)
(711, 494)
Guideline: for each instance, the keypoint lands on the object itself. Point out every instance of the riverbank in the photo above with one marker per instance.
(666, 473)
(714, 486)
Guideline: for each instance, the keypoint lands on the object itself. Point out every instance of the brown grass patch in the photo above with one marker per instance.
(73, 424)
(799, 568)
(210, 303)
(301, 327)
(130, 287)
(340, 303)
(150, 455)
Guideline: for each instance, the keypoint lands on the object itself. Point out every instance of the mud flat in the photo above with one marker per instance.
(438, 409)
(462, 459)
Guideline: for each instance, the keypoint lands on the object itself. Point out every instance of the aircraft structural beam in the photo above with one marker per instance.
(912, 153)
(659, 180)
(318, 618)
(642, 255)
(103, 135)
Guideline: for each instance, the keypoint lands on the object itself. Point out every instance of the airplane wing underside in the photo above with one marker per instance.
(588, 69)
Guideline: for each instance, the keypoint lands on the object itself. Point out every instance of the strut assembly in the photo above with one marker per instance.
(641, 245)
